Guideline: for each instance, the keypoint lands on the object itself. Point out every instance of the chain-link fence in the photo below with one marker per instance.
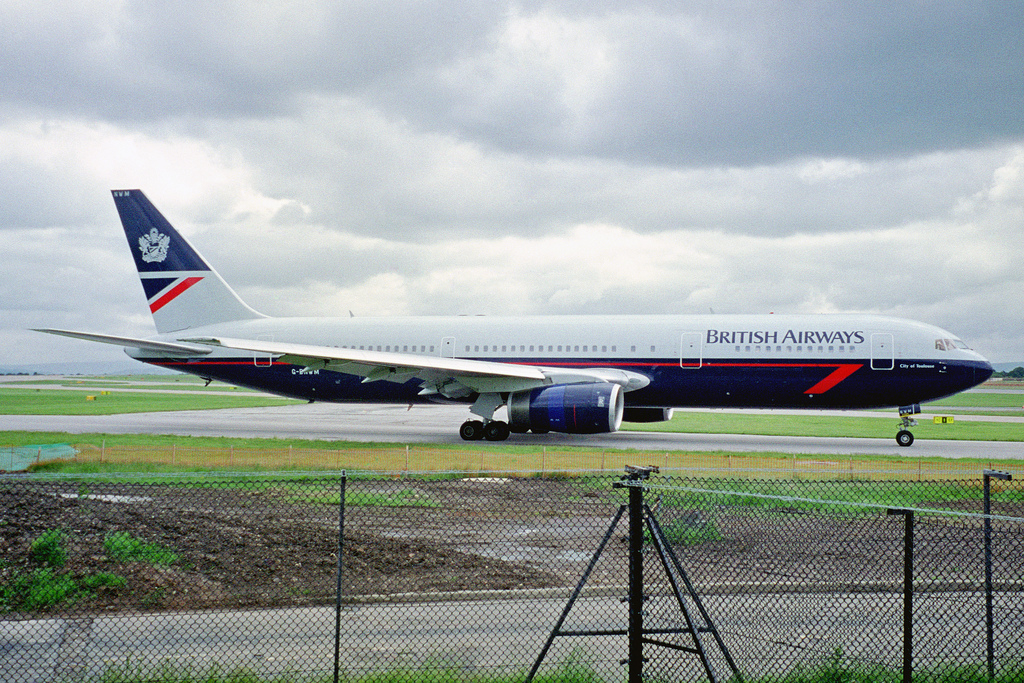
(450, 578)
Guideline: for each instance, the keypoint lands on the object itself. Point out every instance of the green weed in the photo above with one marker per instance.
(121, 546)
(48, 550)
(36, 590)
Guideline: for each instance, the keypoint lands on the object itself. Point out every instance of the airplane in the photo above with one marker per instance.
(570, 374)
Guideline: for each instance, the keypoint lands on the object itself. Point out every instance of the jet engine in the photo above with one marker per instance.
(590, 408)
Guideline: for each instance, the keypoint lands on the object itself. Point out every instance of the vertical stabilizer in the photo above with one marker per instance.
(182, 290)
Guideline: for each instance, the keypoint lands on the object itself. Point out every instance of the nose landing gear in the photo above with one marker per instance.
(904, 437)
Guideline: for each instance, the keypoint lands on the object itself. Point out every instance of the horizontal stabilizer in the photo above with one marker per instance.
(145, 344)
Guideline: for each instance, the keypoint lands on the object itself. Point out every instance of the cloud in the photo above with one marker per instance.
(531, 157)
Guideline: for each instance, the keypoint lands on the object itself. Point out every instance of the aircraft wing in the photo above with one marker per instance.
(449, 377)
(172, 348)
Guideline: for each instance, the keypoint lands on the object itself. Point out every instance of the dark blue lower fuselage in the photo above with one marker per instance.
(757, 383)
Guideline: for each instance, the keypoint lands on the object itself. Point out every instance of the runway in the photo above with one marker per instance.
(438, 424)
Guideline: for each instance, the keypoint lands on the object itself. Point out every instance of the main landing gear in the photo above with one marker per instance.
(492, 430)
(904, 437)
(487, 428)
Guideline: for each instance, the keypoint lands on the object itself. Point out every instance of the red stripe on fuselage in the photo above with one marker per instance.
(173, 293)
(838, 375)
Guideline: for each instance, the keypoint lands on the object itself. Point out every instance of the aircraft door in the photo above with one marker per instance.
(263, 360)
(691, 353)
(882, 352)
(448, 347)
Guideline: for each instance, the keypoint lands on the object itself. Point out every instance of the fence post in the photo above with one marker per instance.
(908, 592)
(990, 649)
(337, 606)
(636, 583)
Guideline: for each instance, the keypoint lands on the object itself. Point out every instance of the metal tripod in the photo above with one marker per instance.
(637, 635)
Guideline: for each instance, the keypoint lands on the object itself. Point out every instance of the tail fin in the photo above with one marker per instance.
(182, 290)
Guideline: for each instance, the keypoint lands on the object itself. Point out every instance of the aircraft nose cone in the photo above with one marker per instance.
(983, 372)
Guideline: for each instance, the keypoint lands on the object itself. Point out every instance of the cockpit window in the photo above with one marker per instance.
(950, 345)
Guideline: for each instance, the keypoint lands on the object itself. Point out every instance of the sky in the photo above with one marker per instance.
(411, 157)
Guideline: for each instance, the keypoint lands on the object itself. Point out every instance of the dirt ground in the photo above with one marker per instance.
(269, 545)
(247, 548)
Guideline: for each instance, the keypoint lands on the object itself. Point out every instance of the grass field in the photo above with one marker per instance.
(160, 456)
(150, 453)
(815, 424)
(55, 402)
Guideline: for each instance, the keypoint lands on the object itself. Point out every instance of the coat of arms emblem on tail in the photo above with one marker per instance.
(154, 246)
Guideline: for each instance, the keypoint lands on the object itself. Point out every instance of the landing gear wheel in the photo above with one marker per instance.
(496, 431)
(904, 437)
(472, 430)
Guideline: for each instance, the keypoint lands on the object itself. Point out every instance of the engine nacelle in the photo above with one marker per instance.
(590, 408)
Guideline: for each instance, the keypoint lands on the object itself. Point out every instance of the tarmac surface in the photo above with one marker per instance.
(439, 424)
(475, 635)
(479, 635)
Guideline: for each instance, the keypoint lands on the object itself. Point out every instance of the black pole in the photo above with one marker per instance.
(990, 646)
(337, 606)
(636, 584)
(908, 592)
